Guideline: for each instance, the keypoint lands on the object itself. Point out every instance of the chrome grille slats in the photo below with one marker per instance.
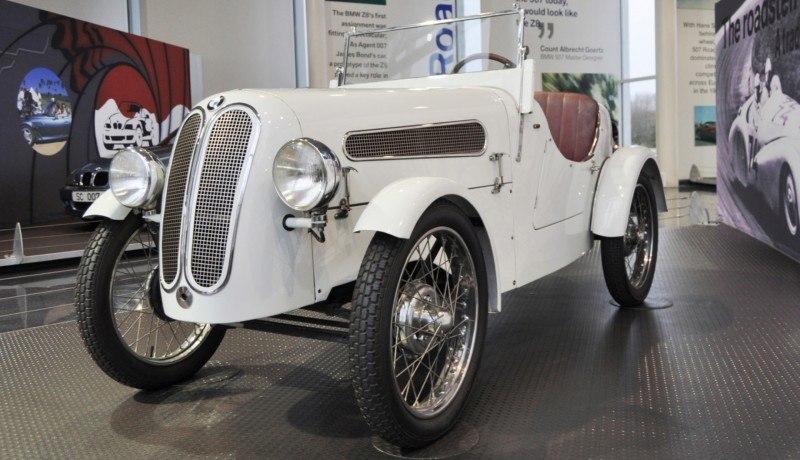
(227, 143)
(431, 140)
(175, 194)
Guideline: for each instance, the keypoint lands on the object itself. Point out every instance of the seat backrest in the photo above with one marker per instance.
(572, 118)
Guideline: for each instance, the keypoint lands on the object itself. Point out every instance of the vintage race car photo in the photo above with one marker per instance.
(84, 185)
(413, 201)
(765, 149)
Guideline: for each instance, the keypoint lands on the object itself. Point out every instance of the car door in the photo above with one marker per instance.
(564, 187)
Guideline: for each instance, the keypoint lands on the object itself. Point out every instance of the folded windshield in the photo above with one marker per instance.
(490, 41)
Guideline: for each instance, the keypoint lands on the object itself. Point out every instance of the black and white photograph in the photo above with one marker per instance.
(758, 145)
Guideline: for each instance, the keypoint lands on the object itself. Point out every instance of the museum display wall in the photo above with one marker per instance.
(76, 92)
(302, 47)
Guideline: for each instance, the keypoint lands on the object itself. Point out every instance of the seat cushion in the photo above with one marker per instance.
(572, 119)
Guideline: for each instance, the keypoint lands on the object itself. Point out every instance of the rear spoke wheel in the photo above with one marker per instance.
(629, 261)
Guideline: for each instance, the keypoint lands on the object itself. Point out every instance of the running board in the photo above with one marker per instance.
(301, 326)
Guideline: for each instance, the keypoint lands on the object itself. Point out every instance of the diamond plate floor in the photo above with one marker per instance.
(564, 374)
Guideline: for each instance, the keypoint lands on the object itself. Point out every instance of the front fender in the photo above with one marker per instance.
(398, 206)
(784, 150)
(108, 207)
(614, 194)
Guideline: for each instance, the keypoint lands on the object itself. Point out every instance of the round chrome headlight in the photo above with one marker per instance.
(136, 177)
(306, 174)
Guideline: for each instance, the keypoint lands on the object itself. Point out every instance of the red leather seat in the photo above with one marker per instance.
(572, 119)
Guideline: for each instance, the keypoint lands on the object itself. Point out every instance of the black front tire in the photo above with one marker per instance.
(374, 333)
(629, 261)
(93, 300)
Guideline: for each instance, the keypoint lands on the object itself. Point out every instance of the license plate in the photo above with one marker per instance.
(85, 197)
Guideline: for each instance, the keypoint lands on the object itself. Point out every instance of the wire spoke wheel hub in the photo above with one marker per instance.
(434, 322)
(638, 241)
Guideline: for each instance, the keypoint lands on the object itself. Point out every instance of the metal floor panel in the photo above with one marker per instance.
(564, 374)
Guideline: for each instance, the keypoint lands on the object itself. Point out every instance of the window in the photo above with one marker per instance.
(638, 73)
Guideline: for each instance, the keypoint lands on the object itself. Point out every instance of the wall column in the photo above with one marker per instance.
(666, 90)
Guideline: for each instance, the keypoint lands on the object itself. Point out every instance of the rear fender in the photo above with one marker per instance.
(108, 207)
(612, 200)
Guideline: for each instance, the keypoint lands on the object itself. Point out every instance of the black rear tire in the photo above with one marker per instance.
(629, 261)
(99, 327)
(377, 340)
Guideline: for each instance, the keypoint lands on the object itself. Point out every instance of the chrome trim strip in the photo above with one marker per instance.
(238, 197)
(596, 137)
(169, 287)
(408, 127)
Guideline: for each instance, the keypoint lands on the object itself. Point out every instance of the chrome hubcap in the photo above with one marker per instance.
(145, 332)
(638, 239)
(434, 322)
(420, 316)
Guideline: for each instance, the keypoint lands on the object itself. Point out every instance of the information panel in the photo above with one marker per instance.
(696, 104)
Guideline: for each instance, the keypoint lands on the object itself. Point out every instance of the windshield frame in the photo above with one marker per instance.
(341, 72)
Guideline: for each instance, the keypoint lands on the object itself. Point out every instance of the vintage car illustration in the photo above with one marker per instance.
(415, 201)
(765, 148)
(49, 125)
(136, 129)
(85, 184)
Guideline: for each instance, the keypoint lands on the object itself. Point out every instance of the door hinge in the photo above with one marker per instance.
(498, 181)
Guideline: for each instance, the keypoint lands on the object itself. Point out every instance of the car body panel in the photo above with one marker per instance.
(274, 270)
(107, 207)
(271, 269)
(618, 177)
(396, 209)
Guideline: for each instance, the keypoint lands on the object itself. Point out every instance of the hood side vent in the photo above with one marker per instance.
(462, 138)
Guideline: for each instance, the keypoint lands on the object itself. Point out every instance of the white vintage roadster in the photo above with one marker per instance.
(420, 200)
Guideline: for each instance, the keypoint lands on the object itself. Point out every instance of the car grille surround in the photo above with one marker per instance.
(175, 196)
(220, 178)
(461, 138)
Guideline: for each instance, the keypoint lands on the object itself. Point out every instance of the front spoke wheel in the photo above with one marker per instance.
(416, 331)
(123, 325)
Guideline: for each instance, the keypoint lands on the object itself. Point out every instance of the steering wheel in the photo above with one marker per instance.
(507, 63)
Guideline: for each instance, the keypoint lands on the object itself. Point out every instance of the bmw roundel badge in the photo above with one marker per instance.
(216, 102)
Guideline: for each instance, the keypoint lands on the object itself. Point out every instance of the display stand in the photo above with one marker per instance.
(461, 440)
(651, 303)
